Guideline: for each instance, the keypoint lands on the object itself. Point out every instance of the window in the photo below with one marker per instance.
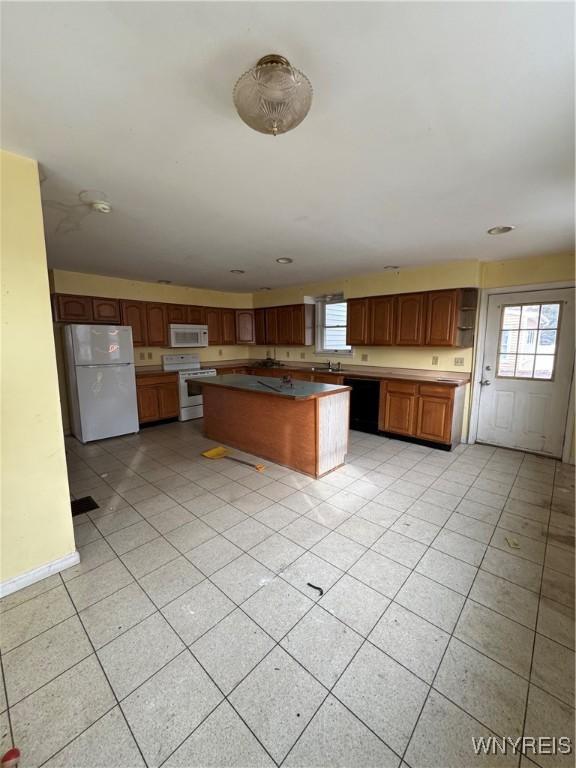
(527, 345)
(331, 326)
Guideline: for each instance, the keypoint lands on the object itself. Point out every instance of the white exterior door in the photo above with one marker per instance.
(527, 370)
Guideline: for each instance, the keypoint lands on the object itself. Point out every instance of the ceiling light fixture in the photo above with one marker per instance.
(273, 97)
(265, 288)
(238, 271)
(284, 260)
(500, 230)
(101, 206)
(164, 282)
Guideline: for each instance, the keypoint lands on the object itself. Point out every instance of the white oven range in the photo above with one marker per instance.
(190, 376)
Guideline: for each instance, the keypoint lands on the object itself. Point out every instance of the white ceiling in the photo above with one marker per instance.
(431, 122)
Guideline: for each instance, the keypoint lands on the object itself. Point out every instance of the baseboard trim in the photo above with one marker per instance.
(37, 574)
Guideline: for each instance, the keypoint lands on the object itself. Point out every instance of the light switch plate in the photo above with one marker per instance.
(149, 355)
(364, 358)
(302, 355)
(287, 353)
(220, 352)
(142, 356)
(434, 359)
(459, 361)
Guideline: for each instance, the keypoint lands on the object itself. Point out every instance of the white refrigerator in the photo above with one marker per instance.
(101, 381)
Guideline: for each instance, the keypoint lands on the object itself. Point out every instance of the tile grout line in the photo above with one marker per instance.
(307, 550)
(440, 664)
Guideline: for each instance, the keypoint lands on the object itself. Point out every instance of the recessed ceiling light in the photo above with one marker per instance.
(164, 282)
(265, 289)
(237, 271)
(500, 230)
(284, 260)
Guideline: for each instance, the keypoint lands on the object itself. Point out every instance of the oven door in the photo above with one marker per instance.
(190, 392)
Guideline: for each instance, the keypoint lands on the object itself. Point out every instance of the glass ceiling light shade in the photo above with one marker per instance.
(273, 97)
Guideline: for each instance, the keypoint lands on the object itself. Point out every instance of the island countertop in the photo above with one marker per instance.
(269, 385)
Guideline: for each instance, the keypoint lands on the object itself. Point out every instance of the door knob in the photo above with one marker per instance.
(485, 382)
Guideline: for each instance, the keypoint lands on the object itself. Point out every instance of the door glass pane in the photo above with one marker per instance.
(527, 341)
(524, 366)
(511, 317)
(546, 342)
(506, 365)
(544, 368)
(530, 316)
(509, 341)
(549, 315)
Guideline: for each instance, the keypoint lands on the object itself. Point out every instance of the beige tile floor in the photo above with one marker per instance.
(189, 636)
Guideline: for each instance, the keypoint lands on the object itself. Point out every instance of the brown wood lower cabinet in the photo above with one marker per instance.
(431, 412)
(397, 407)
(157, 397)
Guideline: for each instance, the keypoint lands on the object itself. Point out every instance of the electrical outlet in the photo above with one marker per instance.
(268, 353)
(364, 358)
(149, 355)
(287, 353)
(434, 359)
(302, 355)
(142, 356)
(459, 361)
(220, 352)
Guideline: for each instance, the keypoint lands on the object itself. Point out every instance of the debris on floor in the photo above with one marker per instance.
(315, 587)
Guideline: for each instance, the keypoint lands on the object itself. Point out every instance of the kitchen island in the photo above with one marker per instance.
(303, 426)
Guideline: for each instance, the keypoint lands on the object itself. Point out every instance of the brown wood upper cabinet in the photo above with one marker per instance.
(228, 326)
(176, 313)
(214, 322)
(285, 333)
(196, 315)
(271, 325)
(434, 319)
(245, 326)
(303, 316)
(410, 319)
(441, 318)
(357, 323)
(133, 313)
(260, 326)
(106, 311)
(72, 309)
(156, 325)
(382, 320)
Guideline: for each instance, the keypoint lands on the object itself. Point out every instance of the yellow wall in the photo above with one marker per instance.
(119, 288)
(35, 517)
(541, 269)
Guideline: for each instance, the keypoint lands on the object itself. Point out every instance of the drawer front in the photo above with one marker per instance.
(152, 380)
(404, 387)
(437, 390)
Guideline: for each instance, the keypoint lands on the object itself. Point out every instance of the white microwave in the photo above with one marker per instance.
(188, 335)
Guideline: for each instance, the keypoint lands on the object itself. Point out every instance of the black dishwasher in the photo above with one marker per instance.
(364, 404)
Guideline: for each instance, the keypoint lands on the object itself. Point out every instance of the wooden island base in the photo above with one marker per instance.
(307, 434)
